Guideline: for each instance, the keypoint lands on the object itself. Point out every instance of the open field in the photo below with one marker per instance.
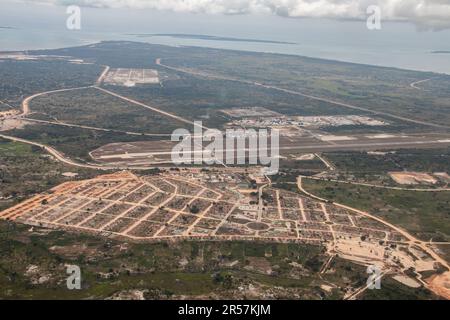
(187, 94)
(426, 160)
(72, 141)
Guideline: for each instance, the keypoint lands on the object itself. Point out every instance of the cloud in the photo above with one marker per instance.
(426, 14)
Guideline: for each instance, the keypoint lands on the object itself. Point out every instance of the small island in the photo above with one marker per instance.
(208, 38)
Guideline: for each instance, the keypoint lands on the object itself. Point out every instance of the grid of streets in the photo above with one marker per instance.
(171, 205)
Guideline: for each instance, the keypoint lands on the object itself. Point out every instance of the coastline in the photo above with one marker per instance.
(429, 61)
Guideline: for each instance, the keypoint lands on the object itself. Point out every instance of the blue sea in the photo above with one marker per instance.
(397, 44)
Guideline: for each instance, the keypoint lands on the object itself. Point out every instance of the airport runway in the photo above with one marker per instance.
(161, 151)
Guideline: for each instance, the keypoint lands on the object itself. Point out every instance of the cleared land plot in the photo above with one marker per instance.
(412, 178)
(310, 121)
(131, 77)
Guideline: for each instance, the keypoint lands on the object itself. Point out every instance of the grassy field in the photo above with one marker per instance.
(424, 214)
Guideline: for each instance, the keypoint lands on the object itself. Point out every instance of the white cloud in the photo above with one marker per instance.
(424, 13)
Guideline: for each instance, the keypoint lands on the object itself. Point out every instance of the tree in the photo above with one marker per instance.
(194, 209)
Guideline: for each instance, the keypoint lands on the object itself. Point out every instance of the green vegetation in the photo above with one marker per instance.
(361, 163)
(393, 290)
(444, 251)
(32, 266)
(91, 107)
(74, 142)
(33, 260)
(424, 214)
(24, 78)
(375, 88)
(200, 98)
(26, 170)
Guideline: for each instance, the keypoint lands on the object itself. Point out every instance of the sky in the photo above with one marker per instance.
(425, 14)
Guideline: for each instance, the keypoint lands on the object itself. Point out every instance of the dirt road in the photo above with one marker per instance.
(422, 244)
(102, 76)
(378, 186)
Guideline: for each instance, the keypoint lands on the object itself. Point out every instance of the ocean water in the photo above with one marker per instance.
(398, 45)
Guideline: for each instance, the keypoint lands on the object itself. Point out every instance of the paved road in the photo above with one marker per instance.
(358, 292)
(322, 147)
